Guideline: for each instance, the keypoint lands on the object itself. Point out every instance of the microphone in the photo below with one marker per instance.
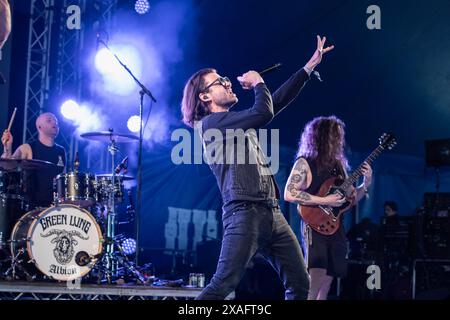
(76, 163)
(270, 69)
(122, 165)
(317, 75)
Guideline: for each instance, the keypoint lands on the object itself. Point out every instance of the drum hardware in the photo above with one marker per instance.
(123, 177)
(51, 240)
(113, 261)
(16, 264)
(30, 250)
(130, 211)
(19, 165)
(109, 136)
(120, 261)
(13, 199)
(75, 188)
(104, 187)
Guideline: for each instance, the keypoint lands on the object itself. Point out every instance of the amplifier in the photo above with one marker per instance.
(431, 279)
(433, 201)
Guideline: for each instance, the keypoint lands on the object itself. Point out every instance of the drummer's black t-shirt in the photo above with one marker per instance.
(40, 186)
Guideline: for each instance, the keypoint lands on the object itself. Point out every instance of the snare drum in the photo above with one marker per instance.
(62, 242)
(75, 188)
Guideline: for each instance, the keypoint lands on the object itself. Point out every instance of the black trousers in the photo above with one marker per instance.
(251, 228)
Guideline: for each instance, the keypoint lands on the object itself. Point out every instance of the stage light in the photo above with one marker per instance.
(70, 109)
(129, 246)
(115, 78)
(104, 61)
(133, 124)
(87, 119)
(142, 6)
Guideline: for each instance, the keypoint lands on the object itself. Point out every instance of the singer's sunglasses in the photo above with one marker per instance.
(223, 81)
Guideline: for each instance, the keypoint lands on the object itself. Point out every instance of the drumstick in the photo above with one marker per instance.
(12, 119)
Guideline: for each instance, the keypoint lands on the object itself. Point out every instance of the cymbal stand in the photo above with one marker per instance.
(111, 263)
(111, 260)
(144, 91)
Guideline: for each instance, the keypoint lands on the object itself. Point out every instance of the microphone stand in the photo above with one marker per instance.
(144, 91)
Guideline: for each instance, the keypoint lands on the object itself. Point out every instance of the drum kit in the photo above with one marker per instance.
(76, 236)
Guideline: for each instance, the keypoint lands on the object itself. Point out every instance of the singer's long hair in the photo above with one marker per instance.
(323, 140)
(192, 107)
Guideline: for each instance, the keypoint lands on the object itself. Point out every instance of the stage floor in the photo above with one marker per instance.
(18, 290)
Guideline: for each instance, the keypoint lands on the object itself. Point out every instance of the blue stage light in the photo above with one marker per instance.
(142, 6)
(129, 246)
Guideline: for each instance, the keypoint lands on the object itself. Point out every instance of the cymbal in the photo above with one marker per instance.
(107, 136)
(24, 164)
(118, 176)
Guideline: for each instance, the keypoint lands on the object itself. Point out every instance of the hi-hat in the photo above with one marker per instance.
(108, 136)
(24, 164)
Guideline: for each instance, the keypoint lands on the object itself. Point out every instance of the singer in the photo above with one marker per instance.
(252, 219)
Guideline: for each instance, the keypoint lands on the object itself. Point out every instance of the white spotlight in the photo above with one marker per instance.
(133, 124)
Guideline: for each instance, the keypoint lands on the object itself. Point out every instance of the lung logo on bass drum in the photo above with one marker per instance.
(65, 242)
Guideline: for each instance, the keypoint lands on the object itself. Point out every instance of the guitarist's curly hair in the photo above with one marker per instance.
(323, 140)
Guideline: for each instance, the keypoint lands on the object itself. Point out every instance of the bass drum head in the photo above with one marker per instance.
(63, 242)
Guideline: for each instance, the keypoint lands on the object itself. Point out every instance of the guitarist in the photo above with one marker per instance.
(320, 157)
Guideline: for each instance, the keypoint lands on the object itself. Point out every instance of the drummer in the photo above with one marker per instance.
(40, 184)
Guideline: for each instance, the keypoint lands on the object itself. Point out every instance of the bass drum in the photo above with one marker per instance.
(62, 242)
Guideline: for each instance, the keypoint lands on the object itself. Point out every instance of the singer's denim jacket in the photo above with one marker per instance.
(249, 180)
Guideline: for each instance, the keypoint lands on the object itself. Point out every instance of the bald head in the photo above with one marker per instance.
(47, 125)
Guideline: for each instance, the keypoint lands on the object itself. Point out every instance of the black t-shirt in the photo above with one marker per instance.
(40, 183)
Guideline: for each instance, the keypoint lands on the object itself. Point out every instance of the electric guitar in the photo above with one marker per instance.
(325, 219)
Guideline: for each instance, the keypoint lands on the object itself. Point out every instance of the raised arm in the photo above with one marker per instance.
(289, 90)
(22, 152)
(255, 117)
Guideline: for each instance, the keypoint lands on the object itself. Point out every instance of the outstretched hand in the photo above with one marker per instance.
(318, 54)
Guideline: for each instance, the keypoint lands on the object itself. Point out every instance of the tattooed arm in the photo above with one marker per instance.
(298, 181)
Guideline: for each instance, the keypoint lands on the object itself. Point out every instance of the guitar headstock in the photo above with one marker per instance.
(387, 141)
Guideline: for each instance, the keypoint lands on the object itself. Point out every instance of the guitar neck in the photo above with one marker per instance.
(358, 172)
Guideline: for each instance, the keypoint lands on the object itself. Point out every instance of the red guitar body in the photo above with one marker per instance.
(325, 219)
